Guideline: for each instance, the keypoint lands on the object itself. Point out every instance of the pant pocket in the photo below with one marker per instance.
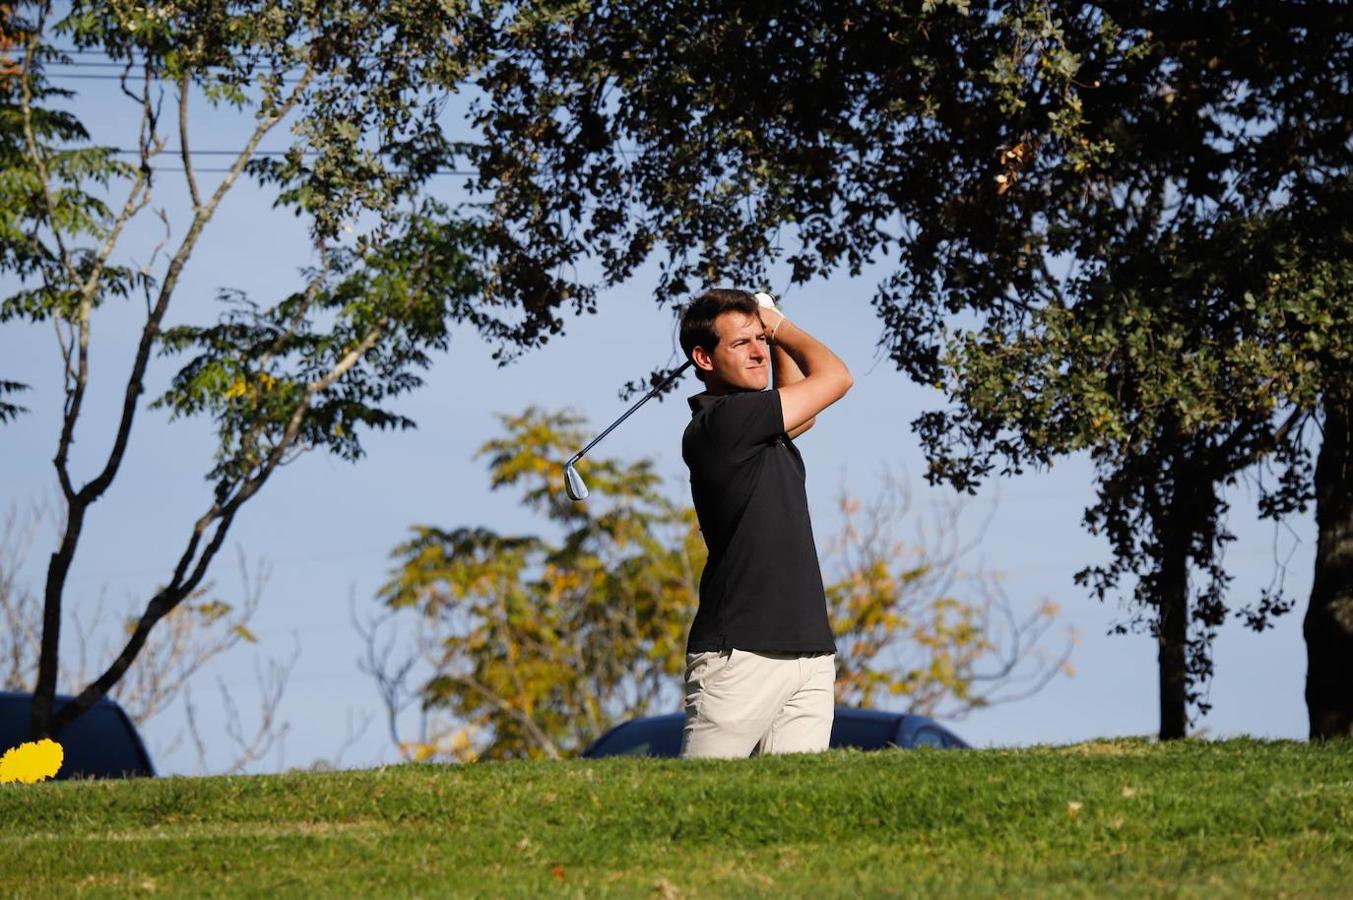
(702, 670)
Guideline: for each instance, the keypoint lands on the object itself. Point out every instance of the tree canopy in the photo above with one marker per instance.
(1113, 228)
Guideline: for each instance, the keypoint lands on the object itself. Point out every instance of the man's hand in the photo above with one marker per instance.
(767, 303)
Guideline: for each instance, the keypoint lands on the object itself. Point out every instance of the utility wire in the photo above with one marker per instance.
(176, 151)
(221, 170)
(113, 64)
(75, 75)
(217, 170)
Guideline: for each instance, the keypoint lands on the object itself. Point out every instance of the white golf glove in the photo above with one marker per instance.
(767, 301)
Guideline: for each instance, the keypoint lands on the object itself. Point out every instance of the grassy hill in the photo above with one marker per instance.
(1235, 818)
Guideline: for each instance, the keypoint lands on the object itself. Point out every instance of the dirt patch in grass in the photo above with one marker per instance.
(1133, 747)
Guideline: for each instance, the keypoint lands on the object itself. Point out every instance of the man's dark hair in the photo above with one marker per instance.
(697, 320)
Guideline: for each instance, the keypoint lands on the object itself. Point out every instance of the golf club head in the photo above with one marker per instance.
(573, 483)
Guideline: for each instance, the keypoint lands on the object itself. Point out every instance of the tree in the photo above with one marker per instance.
(915, 627)
(535, 647)
(200, 629)
(1115, 228)
(360, 88)
(542, 646)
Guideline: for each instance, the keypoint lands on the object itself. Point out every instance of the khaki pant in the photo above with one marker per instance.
(739, 703)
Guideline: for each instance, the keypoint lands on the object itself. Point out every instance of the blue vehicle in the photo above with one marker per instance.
(862, 729)
(102, 743)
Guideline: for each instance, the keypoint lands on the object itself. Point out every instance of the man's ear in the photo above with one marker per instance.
(703, 361)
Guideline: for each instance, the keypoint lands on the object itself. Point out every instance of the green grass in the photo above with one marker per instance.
(1236, 818)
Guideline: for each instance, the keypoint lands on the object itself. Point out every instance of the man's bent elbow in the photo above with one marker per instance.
(847, 381)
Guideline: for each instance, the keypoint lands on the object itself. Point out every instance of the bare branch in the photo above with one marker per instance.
(199, 745)
(145, 270)
(272, 684)
(352, 733)
(19, 610)
(184, 84)
(391, 678)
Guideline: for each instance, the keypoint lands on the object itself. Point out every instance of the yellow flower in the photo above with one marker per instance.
(30, 762)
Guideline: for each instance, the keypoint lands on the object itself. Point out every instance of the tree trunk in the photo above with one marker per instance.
(1172, 634)
(1328, 626)
(1175, 534)
(58, 568)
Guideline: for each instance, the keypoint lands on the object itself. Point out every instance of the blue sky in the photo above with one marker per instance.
(326, 527)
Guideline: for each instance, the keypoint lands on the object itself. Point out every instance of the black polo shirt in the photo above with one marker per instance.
(762, 586)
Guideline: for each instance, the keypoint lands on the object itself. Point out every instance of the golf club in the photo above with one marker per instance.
(573, 482)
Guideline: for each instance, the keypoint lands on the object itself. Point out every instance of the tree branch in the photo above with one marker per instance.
(30, 138)
(152, 327)
(184, 583)
(1266, 444)
(540, 737)
(188, 174)
(390, 678)
(272, 684)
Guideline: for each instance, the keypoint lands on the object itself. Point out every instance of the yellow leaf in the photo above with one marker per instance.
(245, 633)
(31, 761)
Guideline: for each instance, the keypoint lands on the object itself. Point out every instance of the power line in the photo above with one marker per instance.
(176, 151)
(83, 64)
(91, 64)
(77, 51)
(76, 75)
(218, 170)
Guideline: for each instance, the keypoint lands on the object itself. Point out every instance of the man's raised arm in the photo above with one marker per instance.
(826, 378)
(787, 372)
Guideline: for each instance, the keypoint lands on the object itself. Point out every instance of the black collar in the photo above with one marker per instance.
(703, 400)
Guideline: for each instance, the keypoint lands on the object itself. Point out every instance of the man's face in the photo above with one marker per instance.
(741, 359)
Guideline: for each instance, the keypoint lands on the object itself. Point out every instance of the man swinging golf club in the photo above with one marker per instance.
(760, 659)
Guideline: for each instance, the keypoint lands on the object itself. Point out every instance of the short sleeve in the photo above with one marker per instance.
(746, 421)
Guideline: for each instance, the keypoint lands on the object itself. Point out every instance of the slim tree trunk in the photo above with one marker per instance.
(1171, 657)
(1172, 636)
(1175, 524)
(1328, 626)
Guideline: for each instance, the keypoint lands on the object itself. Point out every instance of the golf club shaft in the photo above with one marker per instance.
(673, 377)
